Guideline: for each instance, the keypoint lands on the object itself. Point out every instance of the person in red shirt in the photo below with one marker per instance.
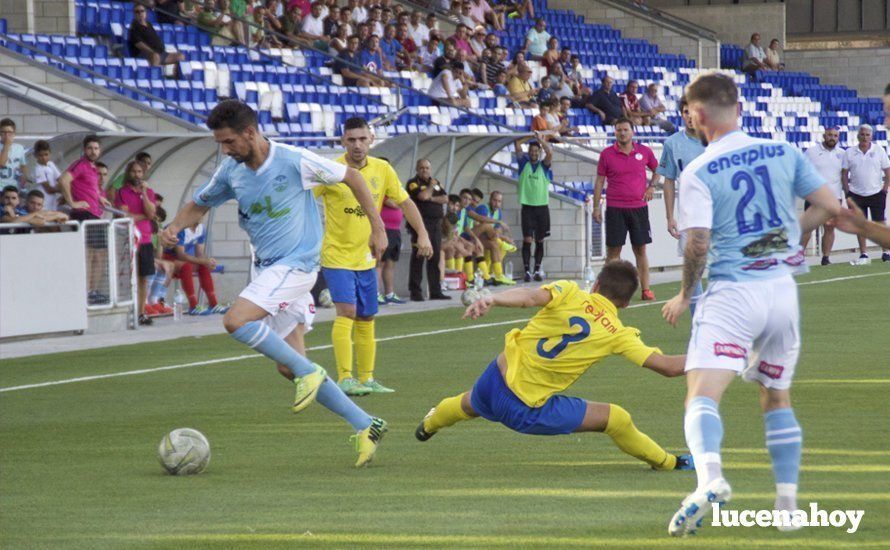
(623, 166)
(631, 103)
(81, 187)
(138, 200)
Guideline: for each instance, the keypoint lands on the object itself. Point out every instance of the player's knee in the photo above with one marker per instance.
(619, 419)
(774, 399)
(640, 250)
(232, 321)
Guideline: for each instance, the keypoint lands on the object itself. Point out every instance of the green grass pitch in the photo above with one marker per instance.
(78, 466)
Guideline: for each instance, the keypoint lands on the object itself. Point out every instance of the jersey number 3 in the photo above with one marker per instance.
(745, 178)
(566, 339)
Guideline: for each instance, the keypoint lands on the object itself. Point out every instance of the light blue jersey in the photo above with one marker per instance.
(679, 150)
(276, 206)
(743, 189)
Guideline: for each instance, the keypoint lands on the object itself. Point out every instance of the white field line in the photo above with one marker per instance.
(328, 346)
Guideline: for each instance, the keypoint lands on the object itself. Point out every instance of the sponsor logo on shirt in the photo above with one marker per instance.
(747, 157)
(358, 211)
(280, 183)
(730, 350)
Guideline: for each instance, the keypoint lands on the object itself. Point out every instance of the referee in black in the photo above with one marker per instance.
(430, 197)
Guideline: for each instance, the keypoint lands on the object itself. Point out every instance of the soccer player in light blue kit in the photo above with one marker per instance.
(738, 208)
(272, 183)
(679, 151)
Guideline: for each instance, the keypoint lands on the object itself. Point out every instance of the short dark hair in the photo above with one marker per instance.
(355, 123)
(618, 281)
(887, 90)
(41, 145)
(101, 165)
(7, 122)
(92, 138)
(160, 214)
(142, 155)
(453, 198)
(457, 66)
(10, 189)
(233, 114)
(478, 193)
(718, 90)
(683, 103)
(622, 120)
(533, 143)
(466, 190)
(36, 193)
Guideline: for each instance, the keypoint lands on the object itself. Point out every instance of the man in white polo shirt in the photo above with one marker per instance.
(865, 176)
(828, 159)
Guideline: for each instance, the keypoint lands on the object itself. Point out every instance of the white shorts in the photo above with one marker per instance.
(284, 292)
(752, 328)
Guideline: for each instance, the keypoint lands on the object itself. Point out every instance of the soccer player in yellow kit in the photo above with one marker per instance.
(347, 263)
(573, 331)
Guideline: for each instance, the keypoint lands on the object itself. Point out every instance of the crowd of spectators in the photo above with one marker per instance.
(757, 59)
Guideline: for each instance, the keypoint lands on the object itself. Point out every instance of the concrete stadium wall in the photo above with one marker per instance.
(633, 26)
(735, 23)
(31, 120)
(39, 16)
(866, 70)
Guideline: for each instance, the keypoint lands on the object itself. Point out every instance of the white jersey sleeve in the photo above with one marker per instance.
(695, 203)
(317, 170)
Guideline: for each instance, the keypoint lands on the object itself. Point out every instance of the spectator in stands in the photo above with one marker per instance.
(420, 33)
(551, 55)
(372, 59)
(773, 59)
(865, 176)
(393, 52)
(623, 166)
(220, 23)
(652, 107)
(81, 187)
(292, 24)
(631, 105)
(46, 174)
(517, 9)
(489, 66)
(828, 159)
(548, 123)
(312, 30)
(13, 167)
(387, 17)
(536, 40)
(565, 104)
(331, 21)
(447, 87)
(347, 65)
(143, 41)
(535, 177)
(274, 11)
(137, 199)
(340, 42)
(517, 62)
(464, 15)
(375, 20)
(477, 41)
(35, 204)
(364, 32)
(259, 37)
(358, 10)
(560, 86)
(605, 102)
(430, 197)
(15, 212)
(460, 42)
(544, 92)
(428, 54)
(102, 169)
(755, 57)
(500, 85)
(165, 11)
(408, 45)
(521, 90)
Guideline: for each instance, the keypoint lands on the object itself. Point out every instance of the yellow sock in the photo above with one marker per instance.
(448, 412)
(483, 265)
(498, 269)
(459, 264)
(468, 270)
(449, 264)
(488, 257)
(634, 442)
(341, 338)
(365, 350)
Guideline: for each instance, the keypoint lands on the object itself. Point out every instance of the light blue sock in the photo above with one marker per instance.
(784, 441)
(695, 296)
(263, 339)
(331, 396)
(158, 290)
(704, 432)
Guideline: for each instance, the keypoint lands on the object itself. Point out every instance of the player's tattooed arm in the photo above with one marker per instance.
(695, 257)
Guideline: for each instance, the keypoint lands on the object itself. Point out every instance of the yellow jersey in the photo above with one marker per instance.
(572, 333)
(347, 230)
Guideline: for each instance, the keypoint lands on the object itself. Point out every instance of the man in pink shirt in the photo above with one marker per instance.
(391, 215)
(138, 200)
(624, 165)
(81, 187)
(459, 39)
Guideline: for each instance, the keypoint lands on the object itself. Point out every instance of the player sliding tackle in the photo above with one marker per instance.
(272, 183)
(738, 208)
(572, 331)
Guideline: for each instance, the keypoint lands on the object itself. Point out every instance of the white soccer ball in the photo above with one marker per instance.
(324, 298)
(485, 293)
(184, 451)
(469, 296)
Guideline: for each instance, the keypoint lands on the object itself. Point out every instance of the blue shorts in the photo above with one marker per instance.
(353, 287)
(493, 400)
